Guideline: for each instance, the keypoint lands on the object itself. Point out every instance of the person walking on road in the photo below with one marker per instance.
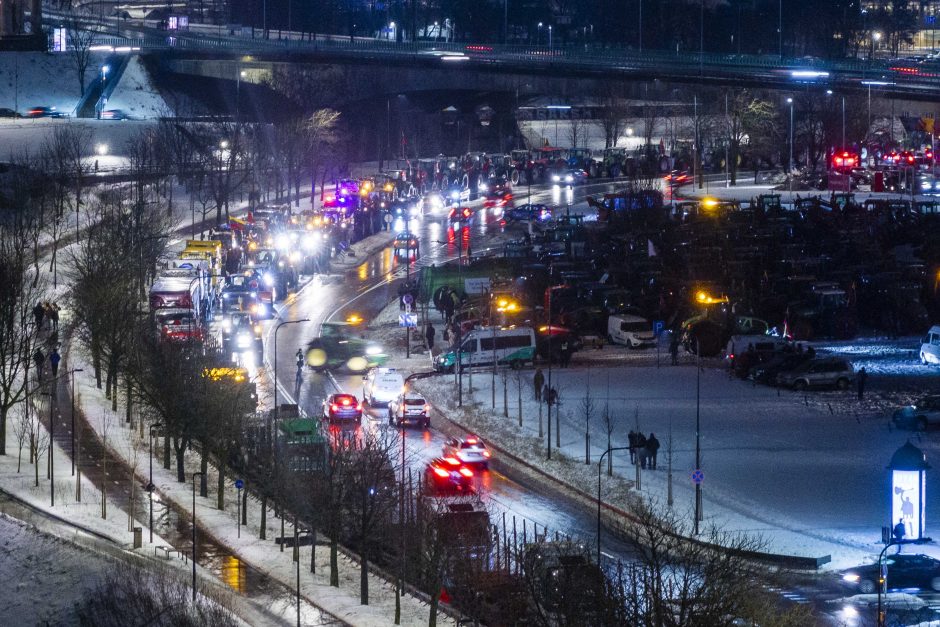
(862, 379)
(538, 380)
(652, 446)
(429, 334)
(38, 313)
(53, 314)
(631, 439)
(38, 359)
(641, 449)
(674, 348)
(54, 359)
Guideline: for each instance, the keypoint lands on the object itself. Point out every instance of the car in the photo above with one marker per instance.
(570, 177)
(677, 178)
(446, 475)
(499, 197)
(404, 244)
(241, 333)
(531, 212)
(339, 348)
(44, 112)
(115, 114)
(903, 571)
(381, 385)
(410, 407)
(470, 451)
(341, 407)
(767, 371)
(920, 415)
(822, 372)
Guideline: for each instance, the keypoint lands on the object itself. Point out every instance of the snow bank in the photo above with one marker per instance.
(29, 79)
(136, 95)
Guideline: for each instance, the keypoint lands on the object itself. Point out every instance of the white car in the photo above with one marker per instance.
(410, 407)
(470, 450)
(382, 385)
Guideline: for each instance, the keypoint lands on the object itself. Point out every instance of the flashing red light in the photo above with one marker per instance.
(466, 472)
(345, 401)
(466, 213)
(472, 440)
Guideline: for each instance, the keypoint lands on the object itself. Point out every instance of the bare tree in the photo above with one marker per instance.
(20, 290)
(80, 38)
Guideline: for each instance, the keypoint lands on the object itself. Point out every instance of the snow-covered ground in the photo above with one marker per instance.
(804, 472)
(29, 79)
(136, 95)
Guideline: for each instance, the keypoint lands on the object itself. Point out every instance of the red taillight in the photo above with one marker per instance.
(440, 472)
(345, 401)
(453, 461)
(334, 407)
(486, 453)
(471, 440)
(359, 406)
(466, 472)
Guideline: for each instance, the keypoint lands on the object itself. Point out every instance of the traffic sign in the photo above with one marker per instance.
(408, 299)
(408, 320)
(698, 477)
(239, 484)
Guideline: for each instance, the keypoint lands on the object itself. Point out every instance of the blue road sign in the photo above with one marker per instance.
(239, 484)
(698, 477)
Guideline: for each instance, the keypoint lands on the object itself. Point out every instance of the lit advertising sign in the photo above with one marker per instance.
(59, 39)
(907, 502)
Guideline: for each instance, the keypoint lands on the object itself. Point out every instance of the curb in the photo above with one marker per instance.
(618, 514)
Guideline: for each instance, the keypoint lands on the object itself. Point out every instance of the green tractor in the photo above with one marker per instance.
(338, 348)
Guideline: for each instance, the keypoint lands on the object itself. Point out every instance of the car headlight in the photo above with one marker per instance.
(295, 256)
(244, 341)
(310, 242)
(268, 279)
(373, 350)
(851, 578)
(283, 241)
(569, 178)
(555, 178)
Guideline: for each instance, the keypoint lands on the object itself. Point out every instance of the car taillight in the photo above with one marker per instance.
(334, 407)
(440, 472)
(466, 472)
(345, 401)
(486, 453)
(453, 461)
(359, 406)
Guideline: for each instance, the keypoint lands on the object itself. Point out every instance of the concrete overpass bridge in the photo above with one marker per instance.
(369, 67)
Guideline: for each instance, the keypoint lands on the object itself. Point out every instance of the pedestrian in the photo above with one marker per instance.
(546, 394)
(38, 313)
(631, 439)
(862, 378)
(652, 445)
(565, 355)
(38, 359)
(899, 532)
(53, 314)
(54, 359)
(641, 449)
(552, 396)
(674, 348)
(429, 334)
(469, 254)
(538, 380)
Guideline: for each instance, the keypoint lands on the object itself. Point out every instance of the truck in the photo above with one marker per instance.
(178, 293)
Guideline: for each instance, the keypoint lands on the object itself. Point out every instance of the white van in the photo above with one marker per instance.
(507, 345)
(632, 331)
(930, 348)
(382, 385)
(738, 344)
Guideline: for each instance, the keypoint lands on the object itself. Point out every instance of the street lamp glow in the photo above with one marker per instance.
(223, 144)
(101, 149)
(789, 100)
(876, 36)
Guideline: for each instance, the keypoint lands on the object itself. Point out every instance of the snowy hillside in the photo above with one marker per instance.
(29, 79)
(136, 95)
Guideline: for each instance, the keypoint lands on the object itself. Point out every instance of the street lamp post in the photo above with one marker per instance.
(52, 394)
(790, 162)
(150, 484)
(276, 329)
(600, 464)
(698, 447)
(72, 375)
(549, 38)
(539, 42)
(882, 582)
(195, 474)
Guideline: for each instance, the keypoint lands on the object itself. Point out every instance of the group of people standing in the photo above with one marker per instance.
(643, 450)
(46, 311)
(543, 393)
